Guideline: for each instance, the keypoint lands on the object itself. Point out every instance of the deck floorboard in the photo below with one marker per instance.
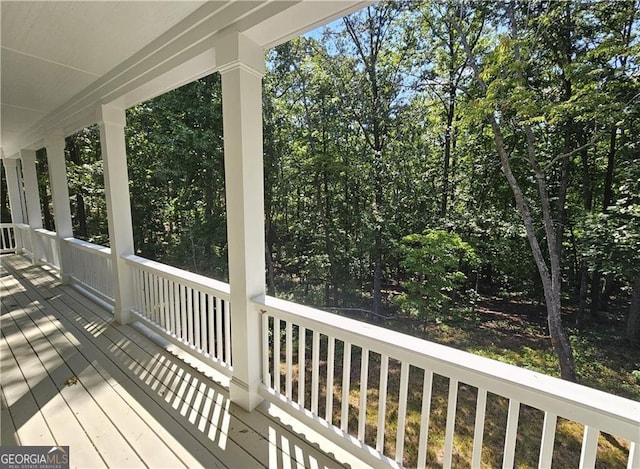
(72, 376)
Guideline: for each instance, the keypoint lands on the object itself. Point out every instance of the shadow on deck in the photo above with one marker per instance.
(72, 376)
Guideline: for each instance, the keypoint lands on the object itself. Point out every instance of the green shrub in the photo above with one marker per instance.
(434, 264)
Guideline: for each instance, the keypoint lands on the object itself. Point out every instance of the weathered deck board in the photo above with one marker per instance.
(99, 405)
(7, 429)
(181, 388)
(53, 406)
(135, 402)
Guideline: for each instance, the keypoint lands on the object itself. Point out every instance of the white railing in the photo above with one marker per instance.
(47, 248)
(23, 239)
(7, 238)
(390, 398)
(90, 266)
(192, 309)
(386, 394)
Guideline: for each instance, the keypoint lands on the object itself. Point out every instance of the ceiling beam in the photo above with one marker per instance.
(183, 54)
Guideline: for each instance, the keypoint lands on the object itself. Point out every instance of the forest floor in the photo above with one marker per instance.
(515, 331)
(511, 330)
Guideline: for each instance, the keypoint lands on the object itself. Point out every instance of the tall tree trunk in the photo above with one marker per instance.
(595, 292)
(372, 125)
(47, 215)
(331, 282)
(550, 275)
(607, 291)
(587, 185)
(268, 240)
(608, 179)
(596, 287)
(271, 277)
(448, 135)
(82, 217)
(378, 193)
(633, 320)
(377, 251)
(81, 213)
(582, 295)
(562, 192)
(587, 202)
(209, 206)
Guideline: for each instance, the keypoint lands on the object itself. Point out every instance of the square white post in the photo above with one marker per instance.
(242, 67)
(34, 212)
(112, 122)
(13, 189)
(54, 145)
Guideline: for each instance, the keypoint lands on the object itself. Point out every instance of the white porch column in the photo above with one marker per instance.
(30, 179)
(34, 213)
(13, 189)
(54, 145)
(116, 184)
(242, 68)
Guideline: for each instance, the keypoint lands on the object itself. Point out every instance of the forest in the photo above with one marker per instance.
(421, 159)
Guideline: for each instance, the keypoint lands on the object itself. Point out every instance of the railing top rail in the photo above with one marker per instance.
(589, 406)
(7, 225)
(42, 231)
(190, 279)
(101, 251)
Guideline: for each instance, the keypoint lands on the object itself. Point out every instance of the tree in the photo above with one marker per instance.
(5, 212)
(86, 186)
(176, 165)
(445, 76)
(434, 262)
(614, 247)
(509, 97)
(612, 64)
(379, 46)
(387, 124)
(305, 155)
(44, 188)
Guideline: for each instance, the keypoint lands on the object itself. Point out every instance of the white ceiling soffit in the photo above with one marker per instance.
(52, 50)
(59, 59)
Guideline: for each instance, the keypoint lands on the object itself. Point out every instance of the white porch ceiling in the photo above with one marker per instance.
(53, 50)
(60, 59)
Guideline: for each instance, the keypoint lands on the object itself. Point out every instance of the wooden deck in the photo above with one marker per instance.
(72, 376)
